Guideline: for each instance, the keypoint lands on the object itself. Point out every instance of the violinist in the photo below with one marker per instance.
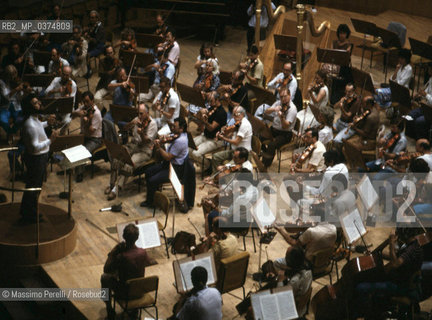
(349, 106)
(56, 63)
(240, 136)
(319, 96)
(314, 161)
(15, 57)
(422, 151)
(285, 79)
(123, 92)
(144, 132)
(128, 41)
(206, 54)
(91, 127)
(406, 257)
(171, 46)
(202, 302)
(235, 94)
(390, 146)
(75, 50)
(214, 119)
(125, 261)
(253, 68)
(208, 81)
(326, 119)
(176, 154)
(284, 114)
(161, 27)
(95, 35)
(63, 85)
(166, 103)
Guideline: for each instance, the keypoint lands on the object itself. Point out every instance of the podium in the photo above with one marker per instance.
(74, 157)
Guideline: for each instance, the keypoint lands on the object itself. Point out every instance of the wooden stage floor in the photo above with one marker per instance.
(83, 268)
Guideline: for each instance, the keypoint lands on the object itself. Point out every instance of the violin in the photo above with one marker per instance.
(350, 99)
(226, 130)
(169, 138)
(389, 144)
(358, 119)
(67, 88)
(317, 87)
(307, 152)
(224, 171)
(407, 157)
(286, 81)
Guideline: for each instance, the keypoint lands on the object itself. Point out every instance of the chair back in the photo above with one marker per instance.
(302, 301)
(321, 260)
(162, 202)
(232, 272)
(137, 287)
(256, 145)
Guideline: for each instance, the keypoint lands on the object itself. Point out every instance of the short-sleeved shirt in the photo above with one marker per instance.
(179, 149)
(318, 238)
(150, 131)
(95, 124)
(325, 135)
(57, 84)
(172, 103)
(290, 116)
(352, 107)
(204, 305)
(257, 72)
(428, 158)
(220, 116)
(245, 131)
(174, 53)
(404, 75)
(225, 248)
(291, 86)
(317, 157)
(131, 263)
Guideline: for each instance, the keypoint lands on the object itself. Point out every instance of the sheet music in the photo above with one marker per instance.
(186, 269)
(256, 304)
(278, 306)
(269, 307)
(367, 192)
(263, 215)
(76, 153)
(164, 130)
(178, 187)
(148, 233)
(351, 222)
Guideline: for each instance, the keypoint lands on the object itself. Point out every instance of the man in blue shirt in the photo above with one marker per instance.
(176, 155)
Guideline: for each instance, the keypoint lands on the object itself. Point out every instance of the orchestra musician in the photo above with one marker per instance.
(144, 132)
(16, 58)
(326, 119)
(202, 302)
(35, 156)
(284, 114)
(264, 21)
(57, 63)
(128, 41)
(423, 203)
(349, 106)
(75, 50)
(107, 73)
(235, 94)
(161, 26)
(253, 68)
(240, 136)
(315, 160)
(207, 81)
(125, 261)
(166, 103)
(206, 54)
(422, 151)
(95, 35)
(171, 46)
(213, 120)
(319, 96)
(285, 79)
(91, 127)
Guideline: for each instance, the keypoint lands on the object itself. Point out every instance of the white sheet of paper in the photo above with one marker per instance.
(256, 304)
(76, 153)
(263, 215)
(269, 307)
(187, 267)
(351, 223)
(367, 192)
(286, 304)
(148, 235)
(178, 187)
(164, 130)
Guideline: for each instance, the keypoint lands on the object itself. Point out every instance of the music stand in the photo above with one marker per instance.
(63, 105)
(262, 95)
(145, 40)
(141, 84)
(141, 60)
(423, 50)
(400, 94)
(190, 95)
(364, 27)
(427, 113)
(259, 127)
(59, 144)
(390, 40)
(38, 80)
(123, 113)
(334, 56)
(41, 58)
(363, 80)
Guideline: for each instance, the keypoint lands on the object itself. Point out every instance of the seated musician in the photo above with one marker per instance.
(161, 27)
(144, 131)
(235, 94)
(405, 262)
(15, 57)
(349, 106)
(326, 119)
(123, 93)
(253, 68)
(127, 40)
(285, 79)
(207, 81)
(402, 75)
(95, 35)
(422, 151)
(125, 261)
(284, 114)
(56, 63)
(75, 51)
(166, 103)
(422, 205)
(202, 302)
(214, 119)
(91, 127)
(171, 46)
(176, 154)
(419, 127)
(315, 159)
(206, 54)
(241, 136)
(390, 146)
(107, 73)
(319, 97)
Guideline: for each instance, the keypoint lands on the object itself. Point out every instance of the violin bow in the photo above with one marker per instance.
(196, 229)
(25, 60)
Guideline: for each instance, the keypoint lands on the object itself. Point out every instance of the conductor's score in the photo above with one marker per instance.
(36, 26)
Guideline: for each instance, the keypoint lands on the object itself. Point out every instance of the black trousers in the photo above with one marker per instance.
(36, 168)
(250, 36)
(280, 138)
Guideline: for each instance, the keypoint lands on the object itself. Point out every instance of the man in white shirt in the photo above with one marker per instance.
(172, 46)
(284, 114)
(57, 63)
(315, 162)
(241, 138)
(35, 156)
(167, 103)
(204, 303)
(285, 79)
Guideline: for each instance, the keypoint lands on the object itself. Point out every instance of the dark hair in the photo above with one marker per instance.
(351, 84)
(370, 101)
(419, 166)
(314, 132)
(88, 94)
(340, 177)
(241, 75)
(425, 145)
(343, 28)
(398, 122)
(404, 233)
(295, 258)
(172, 30)
(182, 123)
(322, 74)
(254, 49)
(165, 80)
(405, 54)
(332, 156)
(206, 45)
(199, 277)
(243, 152)
(107, 46)
(130, 233)
(27, 106)
(77, 26)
